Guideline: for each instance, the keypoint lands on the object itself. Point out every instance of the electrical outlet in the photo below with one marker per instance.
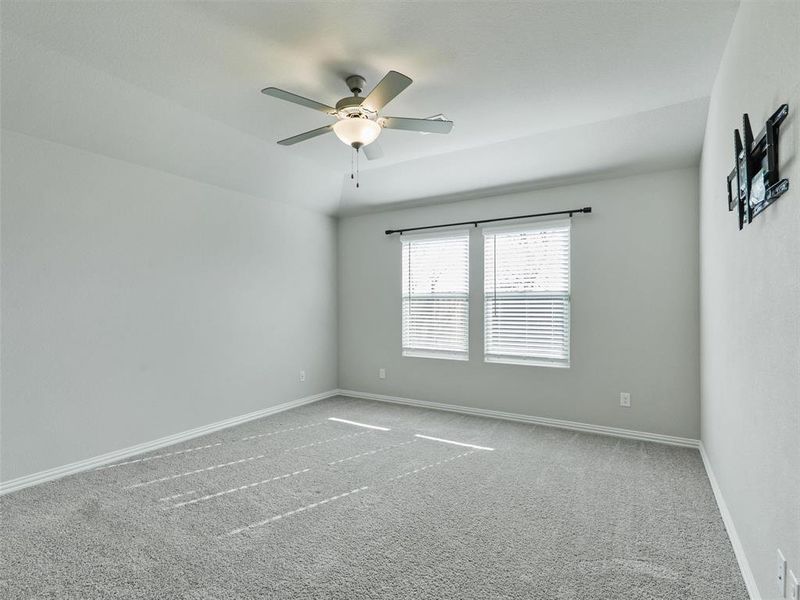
(302, 375)
(780, 575)
(381, 373)
(794, 587)
(624, 399)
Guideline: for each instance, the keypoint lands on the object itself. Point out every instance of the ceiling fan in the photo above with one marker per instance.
(358, 123)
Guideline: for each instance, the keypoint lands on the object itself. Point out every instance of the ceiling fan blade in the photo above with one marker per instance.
(386, 90)
(373, 151)
(424, 125)
(306, 136)
(290, 97)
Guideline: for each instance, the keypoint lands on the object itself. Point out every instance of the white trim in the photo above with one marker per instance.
(727, 519)
(504, 359)
(19, 483)
(547, 422)
(436, 354)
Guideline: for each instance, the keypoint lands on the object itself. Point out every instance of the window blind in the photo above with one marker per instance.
(527, 301)
(436, 295)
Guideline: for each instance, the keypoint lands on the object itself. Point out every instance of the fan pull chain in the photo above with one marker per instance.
(357, 173)
(351, 162)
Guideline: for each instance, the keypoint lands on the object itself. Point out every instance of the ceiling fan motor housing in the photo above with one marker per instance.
(352, 107)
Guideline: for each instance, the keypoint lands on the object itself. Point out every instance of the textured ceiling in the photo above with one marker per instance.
(539, 91)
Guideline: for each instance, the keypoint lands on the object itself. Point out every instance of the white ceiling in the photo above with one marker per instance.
(539, 91)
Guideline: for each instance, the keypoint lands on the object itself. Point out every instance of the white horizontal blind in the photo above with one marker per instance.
(526, 290)
(436, 296)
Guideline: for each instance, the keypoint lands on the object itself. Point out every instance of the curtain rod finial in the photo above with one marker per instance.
(587, 209)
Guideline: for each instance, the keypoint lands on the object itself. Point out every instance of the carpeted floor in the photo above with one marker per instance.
(298, 506)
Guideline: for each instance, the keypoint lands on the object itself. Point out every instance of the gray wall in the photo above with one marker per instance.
(634, 309)
(750, 298)
(138, 304)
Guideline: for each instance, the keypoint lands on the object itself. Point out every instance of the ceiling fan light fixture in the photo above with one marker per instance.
(357, 132)
(359, 119)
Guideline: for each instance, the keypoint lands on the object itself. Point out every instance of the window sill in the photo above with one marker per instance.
(439, 355)
(526, 362)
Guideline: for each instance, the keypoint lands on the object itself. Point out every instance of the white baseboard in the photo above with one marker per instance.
(547, 422)
(19, 483)
(727, 519)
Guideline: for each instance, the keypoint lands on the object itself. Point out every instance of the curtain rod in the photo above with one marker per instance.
(586, 209)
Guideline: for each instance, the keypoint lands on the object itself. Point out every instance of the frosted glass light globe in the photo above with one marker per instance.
(356, 132)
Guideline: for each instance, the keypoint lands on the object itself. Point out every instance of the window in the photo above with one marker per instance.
(436, 295)
(526, 287)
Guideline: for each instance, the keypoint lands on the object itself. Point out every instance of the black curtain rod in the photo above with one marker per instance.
(586, 209)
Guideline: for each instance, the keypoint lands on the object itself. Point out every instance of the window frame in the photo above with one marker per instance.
(412, 352)
(529, 360)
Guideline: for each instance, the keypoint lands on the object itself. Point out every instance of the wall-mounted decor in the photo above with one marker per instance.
(756, 172)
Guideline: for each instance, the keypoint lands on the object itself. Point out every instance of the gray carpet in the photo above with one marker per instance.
(297, 506)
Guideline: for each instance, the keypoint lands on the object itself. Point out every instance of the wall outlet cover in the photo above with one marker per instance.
(624, 399)
(382, 373)
(302, 375)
